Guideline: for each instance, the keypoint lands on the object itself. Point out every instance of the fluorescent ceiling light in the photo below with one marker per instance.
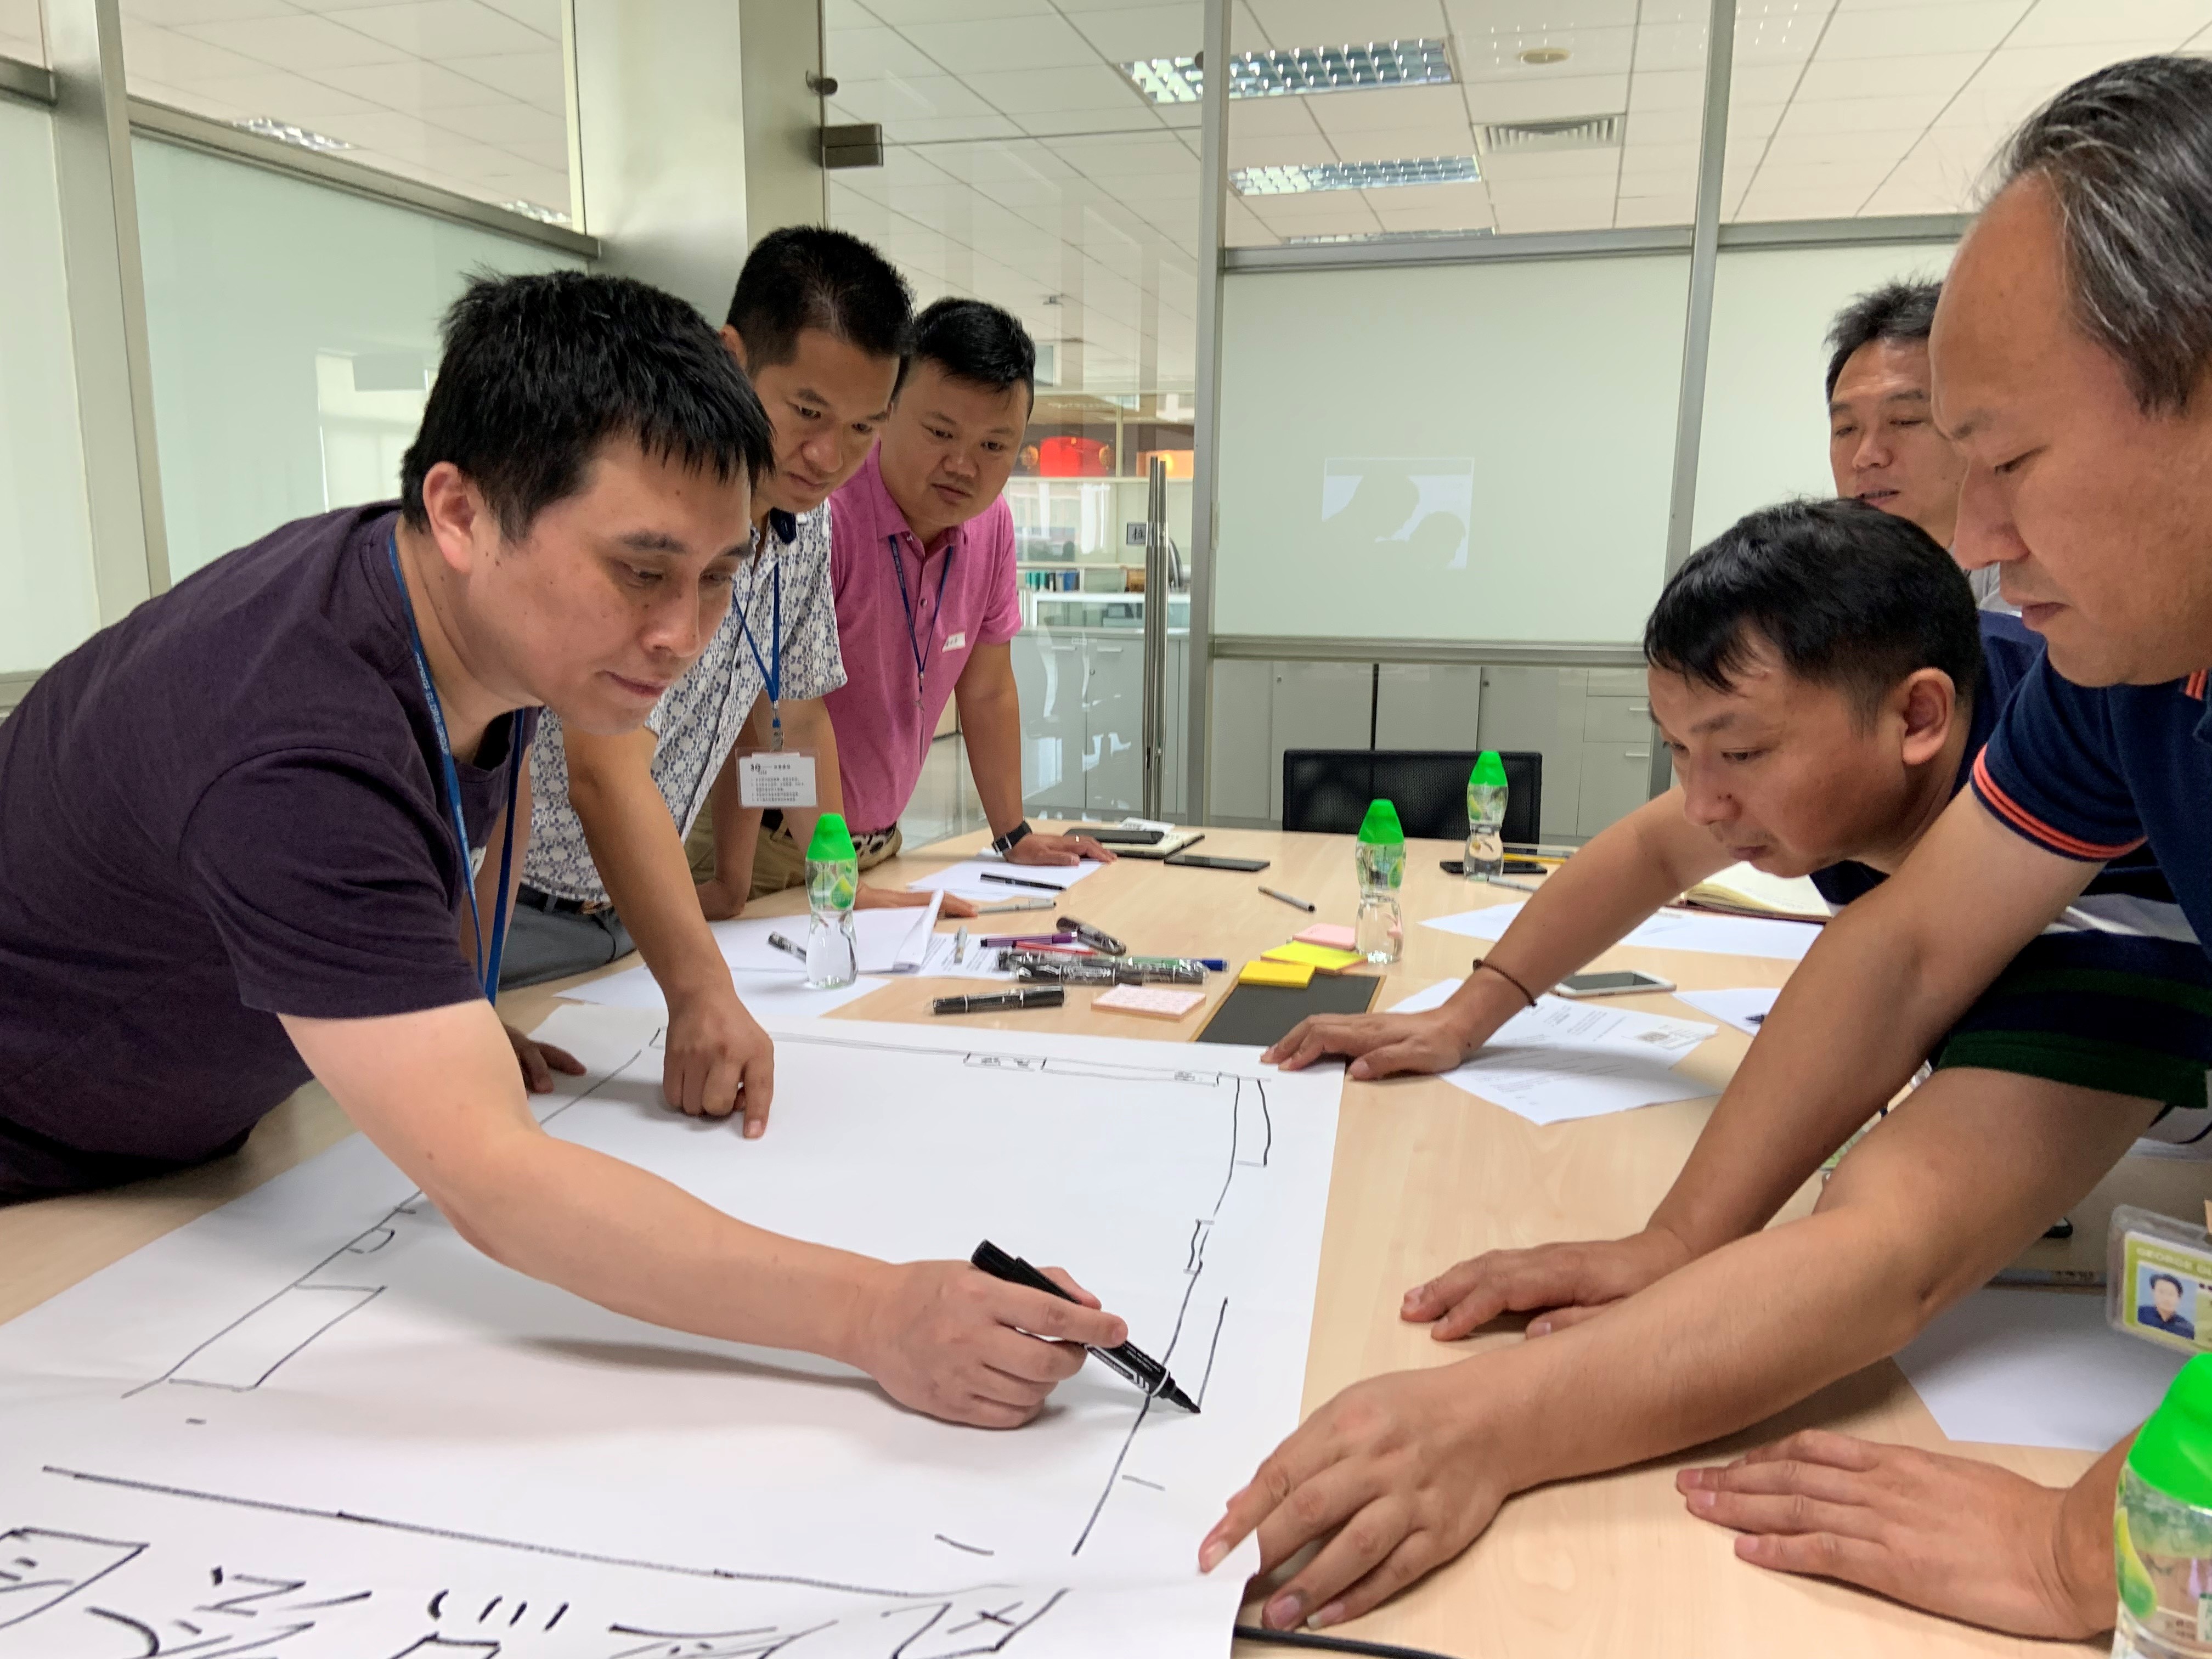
(544, 215)
(1355, 175)
(1299, 70)
(1386, 236)
(285, 133)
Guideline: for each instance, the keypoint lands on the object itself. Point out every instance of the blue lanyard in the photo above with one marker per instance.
(906, 603)
(487, 969)
(771, 672)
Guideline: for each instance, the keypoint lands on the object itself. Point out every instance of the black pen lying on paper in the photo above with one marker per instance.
(1132, 1362)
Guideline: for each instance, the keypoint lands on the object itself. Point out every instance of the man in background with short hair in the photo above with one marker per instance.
(1883, 445)
(922, 563)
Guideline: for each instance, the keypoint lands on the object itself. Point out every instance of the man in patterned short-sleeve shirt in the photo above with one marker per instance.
(820, 322)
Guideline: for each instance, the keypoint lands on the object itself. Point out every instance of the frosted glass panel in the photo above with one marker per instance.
(47, 603)
(1766, 424)
(293, 331)
(1478, 451)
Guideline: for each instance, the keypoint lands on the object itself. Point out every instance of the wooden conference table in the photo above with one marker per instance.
(1424, 1174)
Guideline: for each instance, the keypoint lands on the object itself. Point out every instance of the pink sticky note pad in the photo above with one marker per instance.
(1153, 1001)
(1333, 935)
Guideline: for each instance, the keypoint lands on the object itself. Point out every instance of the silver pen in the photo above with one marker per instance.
(1289, 898)
(960, 945)
(786, 946)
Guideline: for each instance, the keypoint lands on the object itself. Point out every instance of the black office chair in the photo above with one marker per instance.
(1326, 790)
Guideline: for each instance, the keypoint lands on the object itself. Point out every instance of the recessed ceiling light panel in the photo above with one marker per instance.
(1355, 175)
(1298, 71)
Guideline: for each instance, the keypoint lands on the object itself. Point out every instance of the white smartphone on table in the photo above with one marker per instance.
(1620, 982)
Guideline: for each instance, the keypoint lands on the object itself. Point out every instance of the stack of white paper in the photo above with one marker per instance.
(1562, 1059)
(1670, 930)
(1023, 880)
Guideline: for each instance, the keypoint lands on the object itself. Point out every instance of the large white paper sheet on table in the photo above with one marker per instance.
(966, 878)
(1564, 1059)
(1670, 930)
(318, 1410)
(2036, 1368)
(1746, 1009)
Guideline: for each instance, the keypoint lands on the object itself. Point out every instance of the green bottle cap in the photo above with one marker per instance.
(1489, 770)
(832, 840)
(2173, 1453)
(1380, 826)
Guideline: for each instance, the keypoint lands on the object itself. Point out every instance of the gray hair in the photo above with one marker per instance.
(2127, 152)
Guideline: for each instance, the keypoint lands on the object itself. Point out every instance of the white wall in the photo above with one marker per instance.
(1368, 416)
(47, 602)
(291, 327)
(1765, 432)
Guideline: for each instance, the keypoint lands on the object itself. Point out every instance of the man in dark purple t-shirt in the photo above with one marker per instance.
(236, 832)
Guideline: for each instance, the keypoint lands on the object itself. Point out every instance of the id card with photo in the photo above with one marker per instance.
(2158, 1281)
(776, 777)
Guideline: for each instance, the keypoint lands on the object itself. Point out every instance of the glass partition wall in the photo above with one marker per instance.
(1033, 158)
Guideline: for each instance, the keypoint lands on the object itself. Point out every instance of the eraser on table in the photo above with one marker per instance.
(1260, 971)
(1331, 935)
(1152, 1001)
(1317, 955)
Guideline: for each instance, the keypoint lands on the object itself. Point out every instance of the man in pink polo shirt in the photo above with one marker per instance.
(922, 564)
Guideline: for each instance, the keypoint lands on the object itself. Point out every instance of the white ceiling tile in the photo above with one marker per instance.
(1667, 161)
(1766, 84)
(1669, 89)
(177, 59)
(1584, 169)
(167, 12)
(1125, 34)
(892, 98)
(1667, 47)
(1330, 23)
(284, 97)
(900, 13)
(1115, 158)
(1753, 126)
(298, 42)
(1871, 147)
(1826, 76)
(1259, 151)
(2043, 69)
(1271, 118)
(1405, 143)
(1340, 113)
(1043, 91)
(414, 86)
(436, 28)
(1640, 211)
(1845, 116)
(1529, 218)
(938, 129)
(1517, 100)
(1450, 206)
(190, 99)
(1779, 35)
(1918, 31)
(1484, 17)
(1006, 43)
(864, 54)
(536, 78)
(1665, 127)
(511, 124)
(543, 15)
(2068, 23)
(1497, 57)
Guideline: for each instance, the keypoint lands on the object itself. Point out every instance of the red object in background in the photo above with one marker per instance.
(1074, 458)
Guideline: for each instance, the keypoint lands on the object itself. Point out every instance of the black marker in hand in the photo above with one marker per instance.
(1132, 1362)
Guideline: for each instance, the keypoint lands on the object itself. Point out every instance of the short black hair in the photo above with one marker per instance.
(807, 276)
(974, 341)
(1848, 595)
(1896, 311)
(539, 370)
(2178, 1287)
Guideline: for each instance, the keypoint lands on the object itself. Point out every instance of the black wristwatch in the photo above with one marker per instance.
(1011, 839)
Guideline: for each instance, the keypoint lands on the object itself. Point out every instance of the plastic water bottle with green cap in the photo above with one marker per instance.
(1379, 935)
(2162, 1527)
(1486, 818)
(833, 883)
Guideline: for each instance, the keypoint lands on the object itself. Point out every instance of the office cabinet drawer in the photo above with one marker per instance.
(1316, 705)
(1616, 780)
(1544, 709)
(1617, 719)
(1617, 682)
(1419, 705)
(1236, 746)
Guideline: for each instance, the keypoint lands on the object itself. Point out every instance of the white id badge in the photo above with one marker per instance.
(776, 777)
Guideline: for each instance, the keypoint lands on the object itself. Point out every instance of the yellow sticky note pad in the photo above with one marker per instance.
(1296, 976)
(1316, 956)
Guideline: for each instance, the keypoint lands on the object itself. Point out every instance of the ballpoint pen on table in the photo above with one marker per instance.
(788, 946)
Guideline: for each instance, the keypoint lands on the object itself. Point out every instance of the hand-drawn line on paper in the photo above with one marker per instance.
(1212, 1348)
(994, 1059)
(972, 1549)
(422, 1529)
(250, 1349)
(1139, 1480)
(40, 1568)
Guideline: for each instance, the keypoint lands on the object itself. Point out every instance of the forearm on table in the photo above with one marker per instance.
(638, 1245)
(1585, 907)
(991, 726)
